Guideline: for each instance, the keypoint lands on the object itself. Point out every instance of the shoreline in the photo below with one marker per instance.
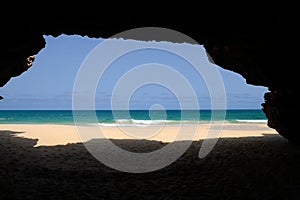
(62, 134)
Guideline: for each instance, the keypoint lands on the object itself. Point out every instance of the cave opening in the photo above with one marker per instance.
(49, 83)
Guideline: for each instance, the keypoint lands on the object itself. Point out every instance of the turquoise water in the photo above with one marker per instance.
(133, 117)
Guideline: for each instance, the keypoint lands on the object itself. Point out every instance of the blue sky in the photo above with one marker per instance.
(48, 84)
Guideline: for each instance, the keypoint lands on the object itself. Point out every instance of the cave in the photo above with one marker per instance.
(243, 38)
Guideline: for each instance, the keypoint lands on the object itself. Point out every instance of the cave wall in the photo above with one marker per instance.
(243, 38)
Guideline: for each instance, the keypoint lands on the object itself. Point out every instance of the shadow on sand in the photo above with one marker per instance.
(237, 168)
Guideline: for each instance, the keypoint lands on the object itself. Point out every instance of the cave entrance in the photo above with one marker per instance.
(48, 84)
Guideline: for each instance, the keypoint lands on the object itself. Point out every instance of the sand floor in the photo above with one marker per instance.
(48, 162)
(56, 134)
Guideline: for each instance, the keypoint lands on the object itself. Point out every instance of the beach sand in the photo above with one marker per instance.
(48, 161)
(57, 134)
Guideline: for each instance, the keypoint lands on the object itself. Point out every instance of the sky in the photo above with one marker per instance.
(142, 79)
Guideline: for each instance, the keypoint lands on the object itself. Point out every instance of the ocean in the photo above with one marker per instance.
(129, 118)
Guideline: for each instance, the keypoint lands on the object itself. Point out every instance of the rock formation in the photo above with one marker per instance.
(258, 45)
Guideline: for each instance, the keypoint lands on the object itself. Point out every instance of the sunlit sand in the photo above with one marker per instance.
(56, 134)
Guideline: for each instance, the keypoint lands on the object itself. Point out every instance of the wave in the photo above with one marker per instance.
(252, 120)
(4, 119)
(108, 124)
(150, 122)
(122, 121)
(138, 123)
